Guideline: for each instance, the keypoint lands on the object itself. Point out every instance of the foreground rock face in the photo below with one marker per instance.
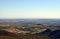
(6, 33)
(47, 34)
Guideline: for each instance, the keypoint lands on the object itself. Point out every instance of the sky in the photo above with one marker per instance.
(29, 8)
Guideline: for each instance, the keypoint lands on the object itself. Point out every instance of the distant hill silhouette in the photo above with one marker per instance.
(55, 34)
(46, 32)
(51, 34)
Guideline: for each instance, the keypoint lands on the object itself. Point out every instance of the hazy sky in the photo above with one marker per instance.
(29, 8)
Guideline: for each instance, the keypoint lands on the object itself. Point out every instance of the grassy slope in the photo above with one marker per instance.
(7, 37)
